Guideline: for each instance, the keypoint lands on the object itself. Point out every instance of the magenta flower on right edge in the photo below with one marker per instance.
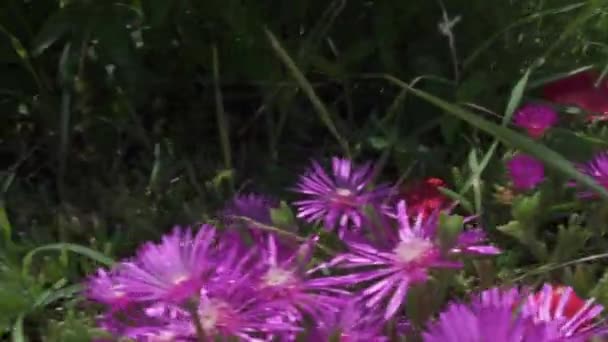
(561, 304)
(512, 315)
(535, 119)
(596, 168)
(338, 199)
(525, 172)
(402, 260)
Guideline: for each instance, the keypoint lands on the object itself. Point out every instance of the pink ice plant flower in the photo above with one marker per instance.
(227, 299)
(171, 271)
(104, 288)
(526, 172)
(512, 315)
(535, 119)
(256, 208)
(576, 318)
(287, 281)
(252, 206)
(404, 259)
(231, 307)
(596, 168)
(352, 324)
(338, 199)
(490, 317)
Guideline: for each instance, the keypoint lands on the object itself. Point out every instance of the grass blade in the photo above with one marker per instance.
(519, 141)
(64, 246)
(17, 334)
(514, 102)
(516, 95)
(307, 88)
(488, 43)
(222, 122)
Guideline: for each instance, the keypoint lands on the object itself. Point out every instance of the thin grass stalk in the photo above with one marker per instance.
(307, 88)
(222, 122)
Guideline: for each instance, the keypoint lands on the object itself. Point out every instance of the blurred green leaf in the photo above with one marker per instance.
(515, 99)
(450, 227)
(64, 246)
(525, 235)
(17, 334)
(55, 26)
(527, 209)
(570, 242)
(283, 216)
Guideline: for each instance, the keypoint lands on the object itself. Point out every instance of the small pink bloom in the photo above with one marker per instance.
(535, 119)
(526, 172)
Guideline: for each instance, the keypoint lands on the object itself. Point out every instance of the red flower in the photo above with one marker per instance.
(573, 303)
(580, 90)
(424, 195)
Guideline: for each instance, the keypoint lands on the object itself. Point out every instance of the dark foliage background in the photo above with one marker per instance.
(122, 118)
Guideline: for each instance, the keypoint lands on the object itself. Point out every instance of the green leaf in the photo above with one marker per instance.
(64, 246)
(5, 224)
(514, 229)
(551, 158)
(283, 216)
(450, 227)
(525, 235)
(600, 291)
(17, 333)
(526, 208)
(516, 95)
(478, 168)
(570, 241)
(465, 203)
(537, 83)
(54, 28)
(308, 89)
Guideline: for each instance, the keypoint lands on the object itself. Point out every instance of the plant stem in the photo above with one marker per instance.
(200, 332)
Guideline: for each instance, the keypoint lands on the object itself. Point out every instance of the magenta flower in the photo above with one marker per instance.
(490, 319)
(147, 324)
(339, 199)
(404, 259)
(353, 324)
(218, 276)
(234, 309)
(535, 119)
(526, 172)
(173, 270)
(596, 168)
(576, 317)
(103, 288)
(253, 206)
(513, 316)
(231, 305)
(286, 281)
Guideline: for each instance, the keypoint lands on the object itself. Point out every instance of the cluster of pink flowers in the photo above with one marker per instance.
(246, 282)
(526, 172)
